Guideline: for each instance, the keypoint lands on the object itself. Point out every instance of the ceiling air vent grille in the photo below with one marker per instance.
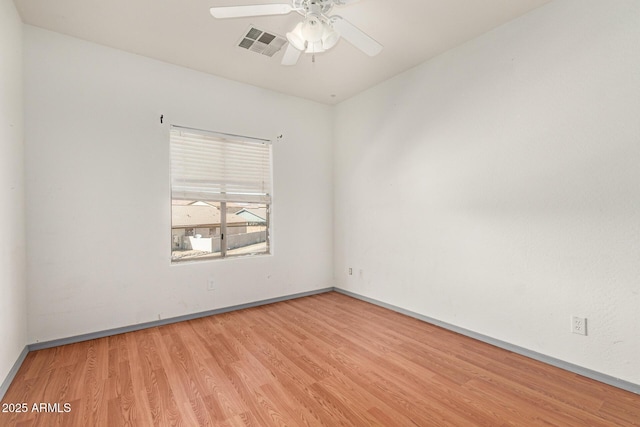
(262, 42)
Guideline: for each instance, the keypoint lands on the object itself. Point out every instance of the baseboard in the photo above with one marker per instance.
(153, 324)
(12, 373)
(598, 376)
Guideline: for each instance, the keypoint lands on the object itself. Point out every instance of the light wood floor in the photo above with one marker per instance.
(322, 360)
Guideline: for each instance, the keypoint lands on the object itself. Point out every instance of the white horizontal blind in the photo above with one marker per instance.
(217, 167)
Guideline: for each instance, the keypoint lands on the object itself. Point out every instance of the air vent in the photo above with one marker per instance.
(262, 42)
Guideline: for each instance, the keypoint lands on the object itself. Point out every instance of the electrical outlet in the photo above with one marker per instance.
(579, 325)
(211, 285)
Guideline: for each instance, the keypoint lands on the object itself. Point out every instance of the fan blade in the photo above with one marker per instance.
(291, 55)
(355, 36)
(250, 10)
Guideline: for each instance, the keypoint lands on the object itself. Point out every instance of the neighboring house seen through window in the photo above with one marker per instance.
(220, 195)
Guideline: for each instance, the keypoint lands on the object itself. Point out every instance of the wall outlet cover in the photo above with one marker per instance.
(579, 325)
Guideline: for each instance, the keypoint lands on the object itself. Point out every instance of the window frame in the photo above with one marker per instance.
(222, 198)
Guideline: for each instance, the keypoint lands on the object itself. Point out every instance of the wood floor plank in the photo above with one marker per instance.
(323, 360)
(172, 379)
(170, 411)
(138, 400)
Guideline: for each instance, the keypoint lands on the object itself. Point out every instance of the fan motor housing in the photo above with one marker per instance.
(314, 6)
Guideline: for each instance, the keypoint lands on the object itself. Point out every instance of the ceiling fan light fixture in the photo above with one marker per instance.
(315, 47)
(296, 38)
(329, 37)
(312, 29)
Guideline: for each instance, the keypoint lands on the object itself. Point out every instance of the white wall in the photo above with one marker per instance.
(98, 174)
(13, 305)
(497, 186)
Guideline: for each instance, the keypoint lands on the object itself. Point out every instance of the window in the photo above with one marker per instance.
(220, 195)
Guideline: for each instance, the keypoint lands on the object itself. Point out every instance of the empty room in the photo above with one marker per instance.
(320, 213)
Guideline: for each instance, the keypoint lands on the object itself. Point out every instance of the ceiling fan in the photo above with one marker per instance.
(316, 33)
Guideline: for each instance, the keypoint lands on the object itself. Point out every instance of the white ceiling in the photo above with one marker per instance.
(182, 32)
